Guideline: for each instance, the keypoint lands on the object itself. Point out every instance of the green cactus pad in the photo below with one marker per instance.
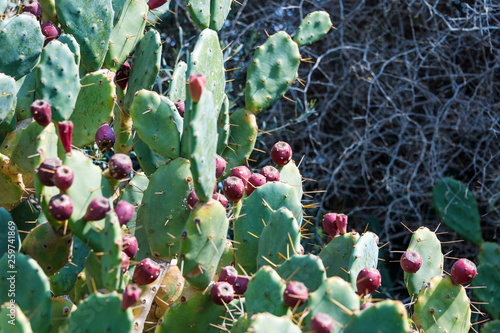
(489, 253)
(148, 159)
(94, 106)
(365, 255)
(21, 41)
(312, 28)
(457, 208)
(338, 255)
(62, 308)
(219, 9)
(203, 242)
(199, 145)
(106, 313)
(57, 79)
(73, 46)
(426, 243)
(272, 71)
(26, 88)
(266, 322)
(491, 327)
(122, 126)
(307, 269)
(290, 174)
(336, 298)
(18, 323)
(32, 289)
(177, 87)
(164, 210)
(208, 60)
(442, 307)
(145, 67)
(386, 316)
(199, 11)
(488, 276)
(7, 102)
(241, 325)
(11, 185)
(50, 248)
(49, 11)
(9, 236)
(156, 122)
(279, 239)
(242, 140)
(64, 280)
(133, 193)
(90, 22)
(112, 247)
(93, 268)
(128, 29)
(223, 125)
(265, 293)
(25, 216)
(227, 258)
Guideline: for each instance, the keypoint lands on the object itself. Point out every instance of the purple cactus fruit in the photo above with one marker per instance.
(341, 222)
(329, 239)
(321, 323)
(120, 166)
(50, 31)
(60, 207)
(152, 4)
(220, 166)
(105, 137)
(146, 272)
(192, 199)
(41, 112)
(281, 153)
(368, 281)
(122, 75)
(180, 106)
(130, 295)
(97, 209)
(197, 84)
(295, 294)
(329, 224)
(255, 180)
(125, 211)
(411, 261)
(271, 173)
(240, 285)
(125, 262)
(228, 274)
(33, 7)
(233, 188)
(129, 245)
(242, 172)
(222, 292)
(63, 177)
(463, 271)
(221, 198)
(66, 134)
(47, 169)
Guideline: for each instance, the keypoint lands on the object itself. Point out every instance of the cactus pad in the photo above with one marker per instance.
(312, 28)
(307, 269)
(385, 316)
(177, 88)
(265, 293)
(7, 102)
(488, 276)
(266, 322)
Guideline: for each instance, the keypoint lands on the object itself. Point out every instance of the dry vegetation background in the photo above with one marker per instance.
(401, 94)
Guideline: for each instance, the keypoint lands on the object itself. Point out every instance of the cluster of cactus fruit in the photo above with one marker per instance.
(193, 241)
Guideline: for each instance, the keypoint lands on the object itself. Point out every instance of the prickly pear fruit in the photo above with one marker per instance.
(63, 177)
(192, 199)
(240, 285)
(130, 296)
(463, 271)
(129, 245)
(47, 169)
(221, 198)
(66, 134)
(281, 153)
(233, 188)
(124, 262)
(50, 31)
(242, 173)
(33, 7)
(124, 211)
(122, 75)
(228, 274)
(152, 4)
(120, 166)
(341, 222)
(271, 173)
(180, 106)
(329, 239)
(220, 166)
(330, 225)
(255, 180)
(295, 294)
(411, 261)
(368, 281)
(41, 112)
(197, 83)
(105, 137)
(321, 323)
(222, 292)
(60, 207)
(97, 209)
(146, 272)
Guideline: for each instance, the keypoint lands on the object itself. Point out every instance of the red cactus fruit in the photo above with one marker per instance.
(221, 198)
(295, 294)
(256, 180)
(233, 188)
(125, 262)
(368, 281)
(411, 261)
(41, 112)
(97, 209)
(63, 177)
(33, 7)
(330, 225)
(240, 285)
(341, 222)
(228, 274)
(220, 166)
(60, 207)
(180, 106)
(120, 166)
(152, 4)
(463, 271)
(50, 31)
(105, 137)
(242, 173)
(192, 199)
(122, 75)
(271, 173)
(146, 272)
(47, 169)
(321, 323)
(222, 292)
(125, 211)
(129, 245)
(130, 295)
(197, 84)
(281, 154)
(66, 134)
